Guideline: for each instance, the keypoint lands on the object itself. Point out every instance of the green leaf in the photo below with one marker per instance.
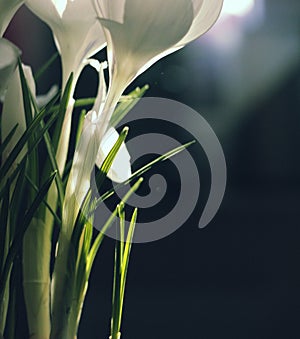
(36, 189)
(84, 102)
(17, 205)
(17, 242)
(102, 173)
(144, 169)
(121, 214)
(81, 220)
(26, 95)
(7, 140)
(14, 174)
(54, 166)
(126, 104)
(80, 126)
(14, 291)
(101, 234)
(125, 261)
(122, 256)
(116, 299)
(51, 157)
(61, 113)
(33, 157)
(161, 158)
(44, 67)
(4, 226)
(32, 128)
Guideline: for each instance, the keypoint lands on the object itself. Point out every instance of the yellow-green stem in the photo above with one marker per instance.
(37, 249)
(76, 310)
(36, 278)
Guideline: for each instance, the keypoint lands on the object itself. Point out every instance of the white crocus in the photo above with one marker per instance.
(93, 147)
(74, 26)
(7, 10)
(9, 54)
(73, 23)
(141, 32)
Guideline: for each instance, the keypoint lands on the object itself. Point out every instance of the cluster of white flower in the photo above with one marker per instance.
(136, 33)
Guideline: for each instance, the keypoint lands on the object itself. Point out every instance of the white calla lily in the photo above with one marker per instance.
(9, 54)
(141, 32)
(7, 10)
(75, 30)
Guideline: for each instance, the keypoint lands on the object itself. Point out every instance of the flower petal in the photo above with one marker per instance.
(9, 54)
(207, 12)
(145, 32)
(7, 10)
(60, 6)
(75, 30)
(85, 156)
(120, 169)
(112, 10)
(82, 166)
(43, 99)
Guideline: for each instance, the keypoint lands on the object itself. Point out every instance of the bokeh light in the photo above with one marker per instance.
(237, 7)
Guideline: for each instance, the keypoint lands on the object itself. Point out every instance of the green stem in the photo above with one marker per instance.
(37, 249)
(76, 310)
(36, 278)
(62, 291)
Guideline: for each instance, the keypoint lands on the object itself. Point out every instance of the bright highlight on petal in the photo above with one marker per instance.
(60, 6)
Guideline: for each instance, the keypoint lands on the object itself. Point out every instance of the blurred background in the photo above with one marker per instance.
(238, 278)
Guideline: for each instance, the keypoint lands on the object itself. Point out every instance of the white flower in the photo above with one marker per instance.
(7, 10)
(141, 32)
(13, 110)
(120, 169)
(9, 54)
(75, 30)
(94, 144)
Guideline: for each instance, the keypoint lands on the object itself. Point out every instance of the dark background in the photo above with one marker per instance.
(239, 276)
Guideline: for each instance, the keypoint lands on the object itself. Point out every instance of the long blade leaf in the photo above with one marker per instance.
(17, 242)
(101, 175)
(61, 113)
(33, 128)
(7, 139)
(101, 234)
(144, 169)
(126, 104)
